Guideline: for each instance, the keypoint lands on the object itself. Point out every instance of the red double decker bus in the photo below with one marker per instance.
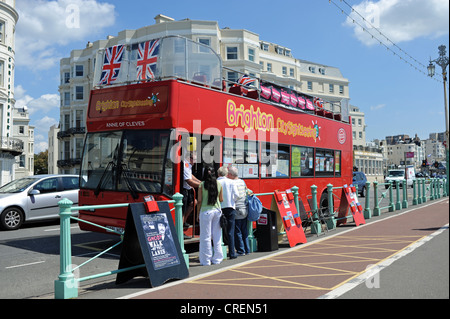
(137, 133)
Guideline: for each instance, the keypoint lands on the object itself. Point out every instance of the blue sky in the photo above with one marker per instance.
(395, 97)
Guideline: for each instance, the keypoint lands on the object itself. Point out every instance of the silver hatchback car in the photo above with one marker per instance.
(35, 198)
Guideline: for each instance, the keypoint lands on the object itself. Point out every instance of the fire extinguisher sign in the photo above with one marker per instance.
(349, 200)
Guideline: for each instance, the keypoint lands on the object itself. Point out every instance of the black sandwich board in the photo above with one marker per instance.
(151, 239)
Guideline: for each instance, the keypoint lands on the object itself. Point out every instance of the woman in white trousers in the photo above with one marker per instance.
(209, 198)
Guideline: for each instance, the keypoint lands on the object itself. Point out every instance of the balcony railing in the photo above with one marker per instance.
(11, 145)
(71, 131)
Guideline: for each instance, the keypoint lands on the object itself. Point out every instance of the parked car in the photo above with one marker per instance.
(35, 198)
(360, 179)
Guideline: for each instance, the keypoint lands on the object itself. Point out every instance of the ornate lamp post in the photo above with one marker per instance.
(443, 61)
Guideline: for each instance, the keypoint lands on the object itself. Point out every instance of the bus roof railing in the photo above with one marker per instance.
(179, 58)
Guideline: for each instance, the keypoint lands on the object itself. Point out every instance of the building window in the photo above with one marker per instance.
(284, 70)
(2, 73)
(79, 118)
(269, 67)
(21, 129)
(232, 77)
(312, 69)
(79, 90)
(310, 86)
(232, 53)
(79, 70)
(331, 88)
(204, 41)
(2, 31)
(264, 47)
(66, 77)
(251, 54)
(341, 89)
(22, 161)
(66, 99)
(291, 72)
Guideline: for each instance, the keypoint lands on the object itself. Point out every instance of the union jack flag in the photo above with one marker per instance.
(245, 80)
(147, 59)
(111, 64)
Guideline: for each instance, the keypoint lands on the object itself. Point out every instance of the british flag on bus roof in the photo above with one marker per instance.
(111, 64)
(246, 80)
(147, 57)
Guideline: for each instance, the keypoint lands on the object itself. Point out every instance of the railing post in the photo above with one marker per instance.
(444, 188)
(424, 196)
(391, 197)
(398, 204)
(331, 222)
(178, 198)
(432, 188)
(376, 209)
(295, 192)
(66, 286)
(367, 212)
(419, 191)
(439, 188)
(405, 194)
(315, 229)
(414, 202)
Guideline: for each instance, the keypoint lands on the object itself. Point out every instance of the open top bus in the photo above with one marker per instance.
(142, 117)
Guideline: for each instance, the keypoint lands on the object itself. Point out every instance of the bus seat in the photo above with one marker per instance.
(235, 90)
(253, 94)
(199, 79)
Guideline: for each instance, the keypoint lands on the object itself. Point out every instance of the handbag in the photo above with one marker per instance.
(254, 208)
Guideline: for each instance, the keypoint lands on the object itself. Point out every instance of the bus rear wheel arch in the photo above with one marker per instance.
(323, 203)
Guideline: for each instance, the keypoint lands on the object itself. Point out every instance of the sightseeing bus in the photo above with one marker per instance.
(140, 127)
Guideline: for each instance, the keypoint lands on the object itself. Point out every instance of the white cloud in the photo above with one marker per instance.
(38, 108)
(377, 107)
(400, 20)
(41, 105)
(44, 26)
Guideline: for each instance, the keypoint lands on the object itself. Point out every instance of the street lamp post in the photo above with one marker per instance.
(443, 61)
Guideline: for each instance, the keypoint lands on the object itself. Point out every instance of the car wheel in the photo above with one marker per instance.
(11, 218)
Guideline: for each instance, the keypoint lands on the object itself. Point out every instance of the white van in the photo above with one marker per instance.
(400, 174)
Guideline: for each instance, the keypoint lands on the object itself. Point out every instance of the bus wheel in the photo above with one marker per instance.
(323, 204)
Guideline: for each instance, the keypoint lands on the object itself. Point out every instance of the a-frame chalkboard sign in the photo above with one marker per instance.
(150, 239)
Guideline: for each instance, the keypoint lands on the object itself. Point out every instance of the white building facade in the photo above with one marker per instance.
(10, 147)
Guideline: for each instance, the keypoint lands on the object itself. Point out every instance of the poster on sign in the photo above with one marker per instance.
(349, 200)
(283, 203)
(150, 239)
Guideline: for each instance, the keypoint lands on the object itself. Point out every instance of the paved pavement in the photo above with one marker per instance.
(403, 254)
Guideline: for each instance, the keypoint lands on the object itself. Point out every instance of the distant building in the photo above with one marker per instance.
(22, 130)
(367, 157)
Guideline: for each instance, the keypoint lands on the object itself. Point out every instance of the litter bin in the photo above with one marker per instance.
(266, 231)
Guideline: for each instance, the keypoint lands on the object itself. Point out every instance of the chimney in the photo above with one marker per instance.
(160, 18)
